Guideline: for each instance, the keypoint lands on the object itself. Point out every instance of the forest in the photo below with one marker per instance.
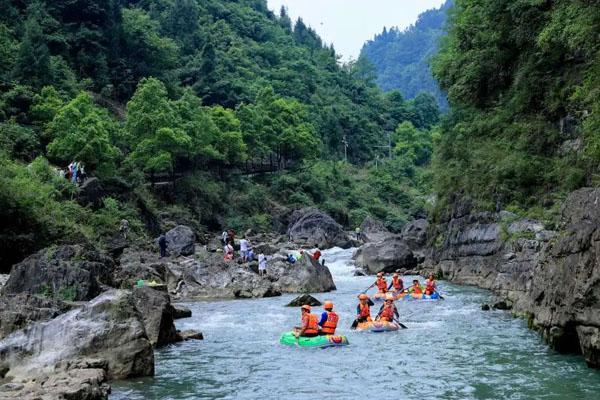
(198, 93)
(401, 58)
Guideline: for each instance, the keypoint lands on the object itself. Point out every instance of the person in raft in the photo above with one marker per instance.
(310, 325)
(381, 283)
(388, 310)
(363, 311)
(430, 285)
(329, 320)
(416, 287)
(397, 284)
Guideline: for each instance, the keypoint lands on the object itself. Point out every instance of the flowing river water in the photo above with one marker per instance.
(452, 350)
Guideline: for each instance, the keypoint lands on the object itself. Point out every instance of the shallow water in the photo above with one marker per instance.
(452, 350)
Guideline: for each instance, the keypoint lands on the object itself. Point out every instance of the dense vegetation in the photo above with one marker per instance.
(193, 93)
(523, 80)
(401, 57)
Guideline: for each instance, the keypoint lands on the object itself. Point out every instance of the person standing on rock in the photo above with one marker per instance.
(162, 244)
(317, 254)
(329, 320)
(262, 264)
(124, 228)
(244, 245)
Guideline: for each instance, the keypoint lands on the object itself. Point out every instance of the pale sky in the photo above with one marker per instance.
(348, 24)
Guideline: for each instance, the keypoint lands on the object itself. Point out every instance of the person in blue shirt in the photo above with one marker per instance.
(291, 259)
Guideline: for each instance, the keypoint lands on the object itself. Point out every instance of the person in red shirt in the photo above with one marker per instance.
(317, 254)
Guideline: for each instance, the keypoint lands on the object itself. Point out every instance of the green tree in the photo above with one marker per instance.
(82, 131)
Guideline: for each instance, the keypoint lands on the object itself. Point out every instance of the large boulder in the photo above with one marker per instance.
(64, 272)
(373, 230)
(108, 328)
(19, 310)
(310, 226)
(92, 193)
(181, 241)
(415, 234)
(304, 299)
(385, 256)
(157, 315)
(138, 264)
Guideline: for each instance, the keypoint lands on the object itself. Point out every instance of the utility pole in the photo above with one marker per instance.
(345, 142)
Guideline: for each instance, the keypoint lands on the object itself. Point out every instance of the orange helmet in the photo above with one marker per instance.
(328, 305)
(306, 307)
(363, 296)
(379, 274)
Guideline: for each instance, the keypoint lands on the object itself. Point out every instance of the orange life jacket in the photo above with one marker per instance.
(381, 285)
(417, 289)
(387, 314)
(331, 323)
(429, 287)
(311, 324)
(397, 283)
(365, 310)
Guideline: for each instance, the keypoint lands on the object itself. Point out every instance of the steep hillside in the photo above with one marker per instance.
(401, 57)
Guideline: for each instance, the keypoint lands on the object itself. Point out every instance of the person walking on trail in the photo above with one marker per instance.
(329, 320)
(162, 244)
(262, 264)
(388, 310)
(358, 234)
(124, 228)
(244, 245)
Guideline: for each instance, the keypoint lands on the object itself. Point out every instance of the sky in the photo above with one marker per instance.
(348, 24)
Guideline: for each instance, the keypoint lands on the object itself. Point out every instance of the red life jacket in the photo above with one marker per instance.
(317, 255)
(381, 285)
(331, 323)
(397, 282)
(365, 311)
(417, 289)
(311, 324)
(387, 314)
(429, 287)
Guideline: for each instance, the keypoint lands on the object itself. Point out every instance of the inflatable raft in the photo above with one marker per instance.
(422, 296)
(289, 339)
(379, 296)
(378, 326)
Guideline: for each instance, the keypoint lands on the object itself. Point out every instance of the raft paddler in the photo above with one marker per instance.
(430, 285)
(363, 311)
(416, 287)
(396, 283)
(310, 326)
(388, 310)
(329, 320)
(381, 283)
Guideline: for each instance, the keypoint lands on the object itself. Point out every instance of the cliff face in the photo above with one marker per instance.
(551, 276)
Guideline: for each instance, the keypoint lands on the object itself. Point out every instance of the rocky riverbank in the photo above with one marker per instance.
(550, 276)
(73, 317)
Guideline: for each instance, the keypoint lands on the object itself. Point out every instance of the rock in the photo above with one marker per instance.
(359, 272)
(304, 299)
(157, 315)
(181, 241)
(3, 279)
(589, 340)
(385, 256)
(311, 227)
(214, 278)
(18, 311)
(180, 311)
(136, 265)
(415, 234)
(191, 334)
(63, 272)
(117, 245)
(91, 193)
(80, 384)
(485, 307)
(502, 305)
(373, 230)
(108, 327)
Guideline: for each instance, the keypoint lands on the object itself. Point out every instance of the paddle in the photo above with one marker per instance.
(400, 323)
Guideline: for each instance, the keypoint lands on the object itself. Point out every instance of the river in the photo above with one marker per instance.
(452, 350)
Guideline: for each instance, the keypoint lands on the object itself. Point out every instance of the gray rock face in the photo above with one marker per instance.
(17, 311)
(64, 272)
(91, 193)
(415, 234)
(387, 255)
(157, 315)
(373, 230)
(181, 240)
(310, 226)
(554, 278)
(107, 328)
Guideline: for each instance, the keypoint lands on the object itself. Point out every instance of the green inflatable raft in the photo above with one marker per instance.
(289, 339)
